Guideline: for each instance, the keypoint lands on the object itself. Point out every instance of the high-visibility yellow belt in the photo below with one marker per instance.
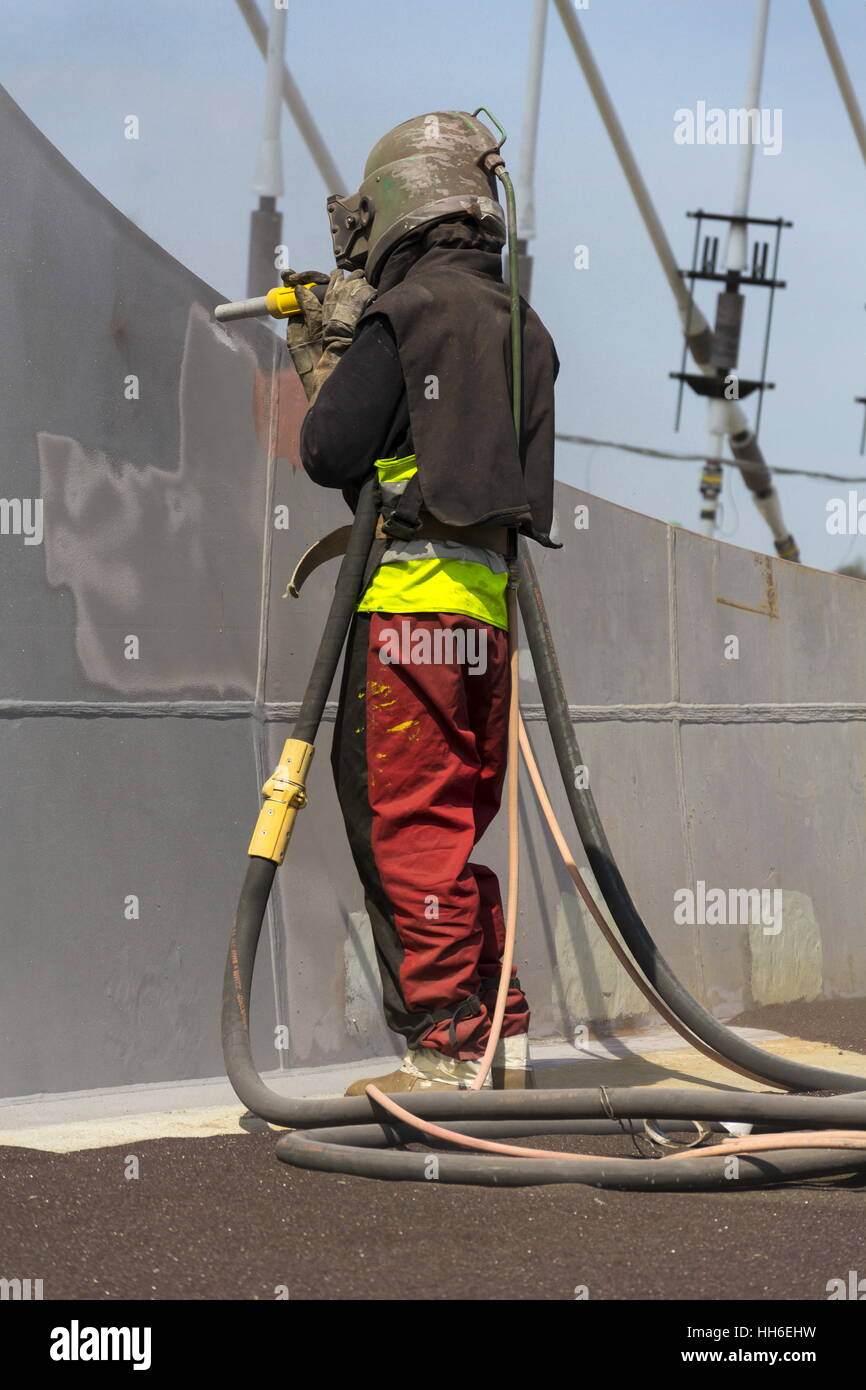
(427, 580)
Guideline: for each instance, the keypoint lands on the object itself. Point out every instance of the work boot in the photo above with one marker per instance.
(422, 1069)
(512, 1065)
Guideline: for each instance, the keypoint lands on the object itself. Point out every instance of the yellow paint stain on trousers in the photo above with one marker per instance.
(401, 728)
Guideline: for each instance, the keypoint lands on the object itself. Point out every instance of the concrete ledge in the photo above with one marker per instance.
(195, 1110)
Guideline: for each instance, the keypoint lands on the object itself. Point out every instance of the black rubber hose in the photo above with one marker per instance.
(344, 1151)
(347, 590)
(777, 1071)
(366, 1150)
(247, 925)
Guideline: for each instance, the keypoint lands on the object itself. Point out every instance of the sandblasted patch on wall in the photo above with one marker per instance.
(790, 964)
(592, 986)
(163, 550)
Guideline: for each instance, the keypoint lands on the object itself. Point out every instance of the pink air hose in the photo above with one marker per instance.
(518, 739)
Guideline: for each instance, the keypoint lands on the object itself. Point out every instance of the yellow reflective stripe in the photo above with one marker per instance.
(438, 586)
(433, 585)
(396, 470)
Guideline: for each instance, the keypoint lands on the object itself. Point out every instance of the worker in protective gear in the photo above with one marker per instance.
(406, 364)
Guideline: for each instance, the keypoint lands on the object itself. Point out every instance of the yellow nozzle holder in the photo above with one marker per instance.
(282, 302)
(285, 797)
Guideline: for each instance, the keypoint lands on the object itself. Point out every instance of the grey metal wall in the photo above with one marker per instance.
(173, 511)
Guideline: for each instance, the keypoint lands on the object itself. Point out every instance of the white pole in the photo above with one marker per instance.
(737, 237)
(300, 112)
(716, 429)
(269, 173)
(529, 141)
(837, 63)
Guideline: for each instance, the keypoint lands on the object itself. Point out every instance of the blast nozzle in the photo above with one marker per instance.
(279, 303)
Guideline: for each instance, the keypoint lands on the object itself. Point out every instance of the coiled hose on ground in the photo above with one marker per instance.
(358, 1135)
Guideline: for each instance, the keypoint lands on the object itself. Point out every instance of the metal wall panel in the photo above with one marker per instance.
(175, 518)
(126, 773)
(121, 854)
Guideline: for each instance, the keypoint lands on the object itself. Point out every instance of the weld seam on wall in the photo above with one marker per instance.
(131, 709)
(819, 712)
(679, 759)
(273, 711)
(673, 617)
(278, 925)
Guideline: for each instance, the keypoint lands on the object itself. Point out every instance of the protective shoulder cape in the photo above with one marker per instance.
(450, 316)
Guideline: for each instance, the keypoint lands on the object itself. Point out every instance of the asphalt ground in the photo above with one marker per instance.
(221, 1218)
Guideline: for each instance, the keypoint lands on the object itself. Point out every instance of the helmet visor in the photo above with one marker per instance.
(350, 217)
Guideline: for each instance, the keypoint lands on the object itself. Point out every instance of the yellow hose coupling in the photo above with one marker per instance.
(286, 796)
(282, 301)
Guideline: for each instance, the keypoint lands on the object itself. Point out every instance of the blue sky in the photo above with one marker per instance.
(192, 74)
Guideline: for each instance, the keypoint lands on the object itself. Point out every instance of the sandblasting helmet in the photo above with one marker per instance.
(420, 173)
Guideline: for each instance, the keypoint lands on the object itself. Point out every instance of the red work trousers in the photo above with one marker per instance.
(419, 758)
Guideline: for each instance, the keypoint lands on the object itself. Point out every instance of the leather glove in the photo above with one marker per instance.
(304, 334)
(318, 341)
(344, 303)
